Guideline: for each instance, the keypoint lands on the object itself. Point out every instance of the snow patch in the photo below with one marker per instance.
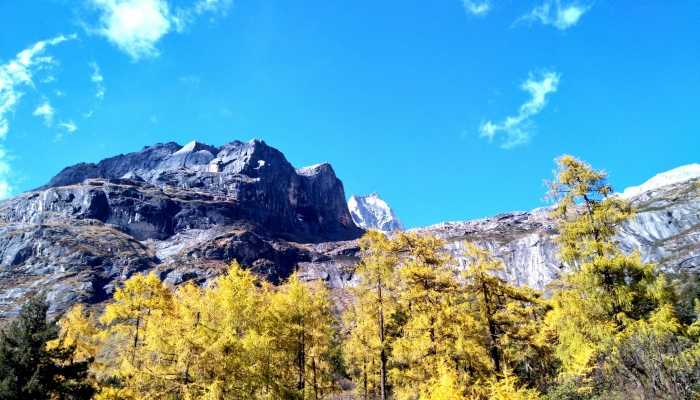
(188, 148)
(676, 175)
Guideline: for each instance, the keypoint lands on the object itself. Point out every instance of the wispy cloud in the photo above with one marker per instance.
(46, 112)
(557, 14)
(19, 72)
(97, 78)
(477, 8)
(69, 126)
(16, 74)
(136, 26)
(184, 16)
(66, 127)
(517, 129)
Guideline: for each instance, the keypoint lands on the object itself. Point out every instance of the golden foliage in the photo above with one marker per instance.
(420, 326)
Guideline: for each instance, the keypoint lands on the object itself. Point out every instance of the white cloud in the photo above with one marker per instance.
(69, 126)
(66, 126)
(16, 74)
(554, 13)
(19, 72)
(516, 129)
(185, 16)
(136, 26)
(46, 112)
(97, 78)
(5, 171)
(215, 6)
(477, 8)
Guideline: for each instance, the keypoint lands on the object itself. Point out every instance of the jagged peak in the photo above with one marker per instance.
(315, 169)
(195, 146)
(371, 196)
(372, 212)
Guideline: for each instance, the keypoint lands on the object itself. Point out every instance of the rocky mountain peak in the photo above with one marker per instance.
(185, 212)
(322, 168)
(372, 212)
(254, 181)
(670, 177)
(195, 146)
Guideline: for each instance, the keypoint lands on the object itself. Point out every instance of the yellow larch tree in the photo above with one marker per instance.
(607, 296)
(302, 321)
(371, 317)
(138, 308)
(228, 357)
(510, 316)
(78, 328)
(436, 323)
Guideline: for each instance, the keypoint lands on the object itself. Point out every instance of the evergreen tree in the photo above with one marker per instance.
(30, 368)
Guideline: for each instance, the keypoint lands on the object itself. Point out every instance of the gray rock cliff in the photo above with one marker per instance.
(186, 212)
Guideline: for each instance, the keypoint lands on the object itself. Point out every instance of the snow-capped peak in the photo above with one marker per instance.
(676, 175)
(371, 212)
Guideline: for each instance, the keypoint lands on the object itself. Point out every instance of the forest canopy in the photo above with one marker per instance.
(417, 325)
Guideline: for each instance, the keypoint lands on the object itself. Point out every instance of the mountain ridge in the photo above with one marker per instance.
(185, 212)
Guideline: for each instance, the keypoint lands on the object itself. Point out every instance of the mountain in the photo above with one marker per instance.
(371, 212)
(665, 230)
(186, 212)
(183, 211)
(676, 175)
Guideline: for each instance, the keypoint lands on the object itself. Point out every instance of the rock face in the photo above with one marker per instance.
(372, 212)
(186, 212)
(183, 211)
(166, 188)
(665, 230)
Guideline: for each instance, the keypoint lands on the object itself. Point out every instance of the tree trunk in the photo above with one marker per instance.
(493, 334)
(301, 361)
(382, 353)
(313, 368)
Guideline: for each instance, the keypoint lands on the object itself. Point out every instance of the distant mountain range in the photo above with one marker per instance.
(185, 212)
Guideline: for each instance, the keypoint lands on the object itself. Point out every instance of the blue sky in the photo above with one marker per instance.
(450, 110)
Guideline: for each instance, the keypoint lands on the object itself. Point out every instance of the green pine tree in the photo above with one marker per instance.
(31, 368)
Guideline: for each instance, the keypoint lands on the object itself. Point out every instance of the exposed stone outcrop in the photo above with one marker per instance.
(186, 212)
(166, 188)
(183, 211)
(665, 230)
